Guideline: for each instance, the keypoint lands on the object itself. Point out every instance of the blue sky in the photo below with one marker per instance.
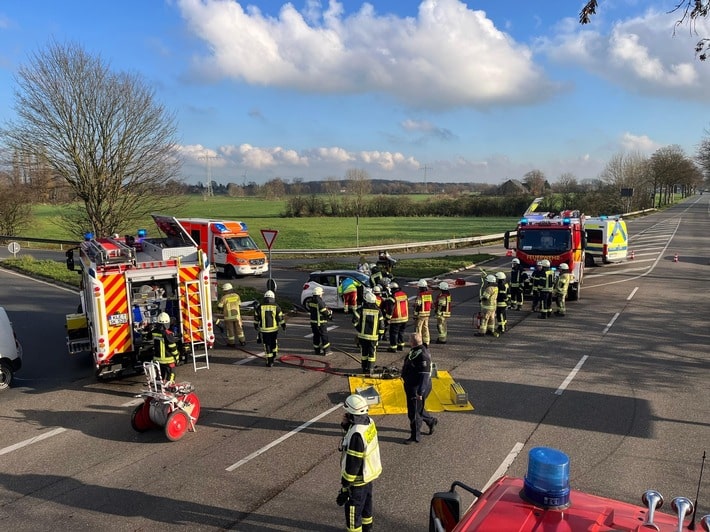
(443, 90)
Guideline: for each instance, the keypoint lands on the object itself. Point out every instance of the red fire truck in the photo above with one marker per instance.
(557, 237)
(125, 283)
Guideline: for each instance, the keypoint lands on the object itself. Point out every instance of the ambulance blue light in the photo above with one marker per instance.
(142, 233)
(566, 221)
(243, 226)
(220, 228)
(547, 479)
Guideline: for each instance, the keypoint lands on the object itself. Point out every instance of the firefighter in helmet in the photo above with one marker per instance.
(561, 288)
(360, 464)
(489, 300)
(502, 302)
(370, 325)
(545, 283)
(231, 302)
(165, 348)
(516, 285)
(320, 315)
(397, 316)
(443, 311)
(422, 310)
(268, 317)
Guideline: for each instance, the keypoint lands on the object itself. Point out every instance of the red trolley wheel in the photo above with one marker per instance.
(192, 405)
(177, 425)
(140, 418)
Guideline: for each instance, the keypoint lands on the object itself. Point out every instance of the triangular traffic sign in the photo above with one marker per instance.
(269, 236)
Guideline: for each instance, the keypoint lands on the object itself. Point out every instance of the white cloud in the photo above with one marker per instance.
(642, 54)
(448, 56)
(638, 143)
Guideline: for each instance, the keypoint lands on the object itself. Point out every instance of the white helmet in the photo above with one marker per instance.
(545, 263)
(369, 297)
(516, 261)
(356, 404)
(163, 318)
(443, 285)
(394, 286)
(377, 289)
(500, 275)
(227, 286)
(269, 294)
(318, 291)
(564, 266)
(422, 283)
(491, 278)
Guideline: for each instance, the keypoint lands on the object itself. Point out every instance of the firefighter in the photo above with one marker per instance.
(422, 310)
(516, 285)
(489, 300)
(231, 302)
(369, 324)
(397, 312)
(561, 287)
(165, 348)
(545, 283)
(416, 376)
(377, 290)
(359, 464)
(536, 281)
(320, 315)
(443, 311)
(348, 291)
(268, 317)
(502, 302)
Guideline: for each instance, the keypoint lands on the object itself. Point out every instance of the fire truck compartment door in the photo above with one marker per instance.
(172, 228)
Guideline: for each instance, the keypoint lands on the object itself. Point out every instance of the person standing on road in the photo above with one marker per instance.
(320, 315)
(397, 312)
(545, 283)
(502, 302)
(370, 324)
(230, 304)
(443, 311)
(561, 288)
(537, 280)
(268, 317)
(489, 300)
(516, 285)
(165, 349)
(360, 464)
(416, 376)
(422, 310)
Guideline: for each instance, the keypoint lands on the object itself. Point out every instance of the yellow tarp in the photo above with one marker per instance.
(393, 400)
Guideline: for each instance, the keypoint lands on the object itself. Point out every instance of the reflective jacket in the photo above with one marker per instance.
(230, 303)
(516, 277)
(165, 349)
(489, 298)
(423, 303)
(562, 283)
(398, 307)
(443, 304)
(268, 316)
(318, 311)
(360, 462)
(502, 298)
(369, 322)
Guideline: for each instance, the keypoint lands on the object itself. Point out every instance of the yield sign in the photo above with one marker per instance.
(269, 236)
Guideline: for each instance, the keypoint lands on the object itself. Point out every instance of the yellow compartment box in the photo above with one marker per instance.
(76, 322)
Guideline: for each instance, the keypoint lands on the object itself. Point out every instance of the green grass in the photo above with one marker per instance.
(43, 269)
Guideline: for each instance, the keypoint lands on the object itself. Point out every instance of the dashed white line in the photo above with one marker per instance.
(36, 439)
(608, 325)
(503, 467)
(571, 375)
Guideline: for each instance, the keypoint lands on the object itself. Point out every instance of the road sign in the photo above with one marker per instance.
(13, 247)
(269, 237)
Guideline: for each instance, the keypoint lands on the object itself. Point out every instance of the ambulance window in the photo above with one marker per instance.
(220, 246)
(195, 234)
(594, 236)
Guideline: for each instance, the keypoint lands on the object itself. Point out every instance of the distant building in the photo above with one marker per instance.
(513, 187)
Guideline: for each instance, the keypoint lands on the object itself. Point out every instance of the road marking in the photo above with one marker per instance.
(608, 325)
(73, 291)
(36, 439)
(571, 375)
(247, 359)
(503, 467)
(631, 295)
(282, 438)
(328, 329)
(134, 402)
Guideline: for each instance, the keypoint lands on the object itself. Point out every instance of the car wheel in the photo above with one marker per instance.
(5, 375)
(306, 302)
(231, 272)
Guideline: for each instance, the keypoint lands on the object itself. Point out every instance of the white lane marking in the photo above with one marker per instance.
(134, 402)
(282, 438)
(571, 375)
(503, 467)
(631, 295)
(70, 290)
(36, 439)
(249, 358)
(310, 335)
(608, 325)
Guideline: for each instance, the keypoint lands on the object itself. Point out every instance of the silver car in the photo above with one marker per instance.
(329, 281)
(10, 351)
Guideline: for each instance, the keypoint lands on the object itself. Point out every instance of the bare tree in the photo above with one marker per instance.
(15, 205)
(359, 185)
(101, 131)
(536, 182)
(691, 11)
(702, 157)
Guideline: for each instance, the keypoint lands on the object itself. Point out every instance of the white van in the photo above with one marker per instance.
(10, 351)
(607, 239)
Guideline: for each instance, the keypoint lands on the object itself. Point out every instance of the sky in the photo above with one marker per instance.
(436, 90)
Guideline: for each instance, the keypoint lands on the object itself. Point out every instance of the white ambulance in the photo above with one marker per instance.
(607, 239)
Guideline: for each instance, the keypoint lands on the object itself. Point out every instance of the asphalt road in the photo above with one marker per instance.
(619, 385)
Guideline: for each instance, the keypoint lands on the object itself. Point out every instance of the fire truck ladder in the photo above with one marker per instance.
(192, 287)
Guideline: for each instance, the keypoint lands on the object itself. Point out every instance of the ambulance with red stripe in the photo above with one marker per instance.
(126, 282)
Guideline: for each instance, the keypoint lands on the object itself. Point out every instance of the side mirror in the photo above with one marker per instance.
(444, 511)
(70, 260)
(506, 240)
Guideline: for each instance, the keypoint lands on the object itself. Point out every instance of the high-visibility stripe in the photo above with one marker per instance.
(119, 336)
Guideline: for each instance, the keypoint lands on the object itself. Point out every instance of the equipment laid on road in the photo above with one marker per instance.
(543, 500)
(126, 283)
(557, 237)
(607, 239)
(174, 406)
(228, 246)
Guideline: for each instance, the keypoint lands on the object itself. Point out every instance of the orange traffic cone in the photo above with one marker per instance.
(675, 258)
(632, 256)
(509, 253)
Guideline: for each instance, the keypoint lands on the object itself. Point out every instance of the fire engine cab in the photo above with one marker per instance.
(544, 501)
(557, 237)
(125, 283)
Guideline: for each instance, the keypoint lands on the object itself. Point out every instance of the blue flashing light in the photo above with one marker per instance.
(524, 221)
(566, 221)
(88, 236)
(142, 233)
(220, 228)
(243, 226)
(547, 479)
(603, 217)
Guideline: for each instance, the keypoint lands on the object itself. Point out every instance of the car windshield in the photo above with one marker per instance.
(241, 243)
(544, 241)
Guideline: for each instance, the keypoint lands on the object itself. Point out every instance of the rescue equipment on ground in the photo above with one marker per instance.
(173, 406)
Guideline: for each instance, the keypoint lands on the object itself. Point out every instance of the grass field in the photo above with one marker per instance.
(299, 233)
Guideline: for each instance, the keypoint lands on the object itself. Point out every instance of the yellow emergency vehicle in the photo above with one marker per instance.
(607, 239)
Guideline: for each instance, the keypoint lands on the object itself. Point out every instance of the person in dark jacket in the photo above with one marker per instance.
(416, 374)
(320, 315)
(268, 317)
